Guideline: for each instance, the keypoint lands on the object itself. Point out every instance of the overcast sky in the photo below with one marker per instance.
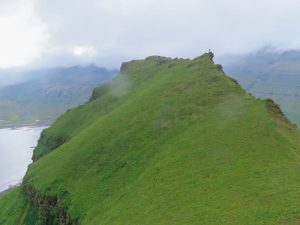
(107, 32)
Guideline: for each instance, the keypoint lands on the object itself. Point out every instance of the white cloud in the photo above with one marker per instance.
(22, 36)
(84, 51)
(110, 31)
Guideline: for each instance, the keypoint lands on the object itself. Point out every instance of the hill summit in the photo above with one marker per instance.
(168, 141)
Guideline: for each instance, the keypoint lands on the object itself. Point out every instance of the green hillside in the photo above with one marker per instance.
(167, 142)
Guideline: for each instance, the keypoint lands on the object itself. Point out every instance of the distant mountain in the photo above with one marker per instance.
(44, 94)
(270, 74)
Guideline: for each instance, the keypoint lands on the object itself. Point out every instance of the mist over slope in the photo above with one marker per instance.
(40, 96)
(168, 141)
(270, 74)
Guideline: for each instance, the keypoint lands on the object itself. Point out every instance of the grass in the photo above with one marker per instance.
(14, 210)
(173, 142)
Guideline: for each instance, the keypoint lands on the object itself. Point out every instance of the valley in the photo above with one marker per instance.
(270, 74)
(44, 94)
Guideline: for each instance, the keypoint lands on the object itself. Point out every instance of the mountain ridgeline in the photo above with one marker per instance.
(44, 94)
(167, 141)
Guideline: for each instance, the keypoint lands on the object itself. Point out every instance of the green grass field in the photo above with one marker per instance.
(167, 142)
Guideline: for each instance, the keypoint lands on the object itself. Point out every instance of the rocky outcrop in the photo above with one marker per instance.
(275, 110)
(48, 143)
(51, 210)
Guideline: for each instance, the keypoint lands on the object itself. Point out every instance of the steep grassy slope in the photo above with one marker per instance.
(14, 209)
(169, 141)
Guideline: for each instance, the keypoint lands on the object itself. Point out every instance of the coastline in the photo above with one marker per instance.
(27, 125)
(9, 185)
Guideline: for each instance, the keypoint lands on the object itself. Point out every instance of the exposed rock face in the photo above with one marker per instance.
(124, 66)
(50, 209)
(47, 144)
(158, 60)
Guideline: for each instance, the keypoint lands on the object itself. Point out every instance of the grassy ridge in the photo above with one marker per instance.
(172, 141)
